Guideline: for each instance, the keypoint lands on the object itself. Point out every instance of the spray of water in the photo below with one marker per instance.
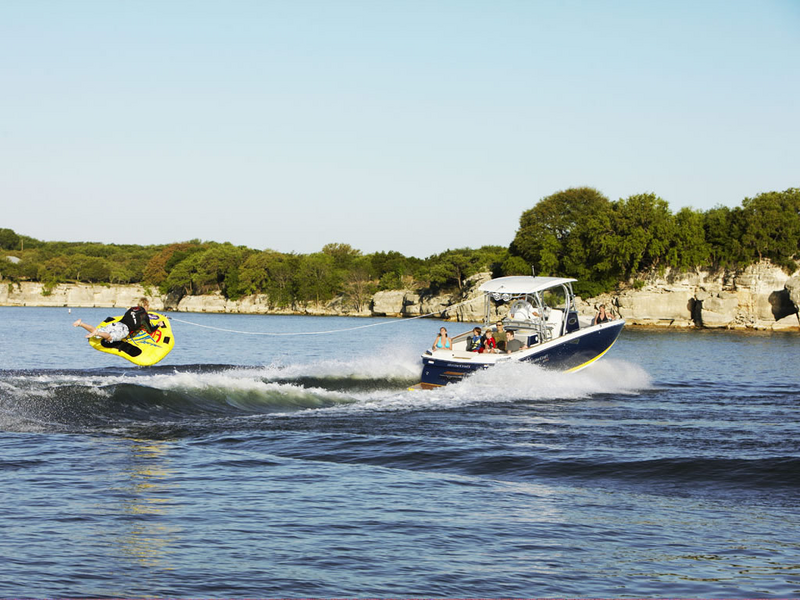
(377, 382)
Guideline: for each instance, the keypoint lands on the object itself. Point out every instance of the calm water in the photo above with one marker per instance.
(248, 465)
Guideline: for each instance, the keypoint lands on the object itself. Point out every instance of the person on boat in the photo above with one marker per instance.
(513, 344)
(442, 342)
(134, 319)
(522, 310)
(489, 343)
(500, 337)
(602, 316)
(474, 342)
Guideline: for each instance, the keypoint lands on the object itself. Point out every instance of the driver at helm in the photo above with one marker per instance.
(522, 310)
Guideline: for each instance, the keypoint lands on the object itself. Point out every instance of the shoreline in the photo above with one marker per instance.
(639, 325)
(758, 298)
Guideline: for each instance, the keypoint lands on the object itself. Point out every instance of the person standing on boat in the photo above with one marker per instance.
(442, 342)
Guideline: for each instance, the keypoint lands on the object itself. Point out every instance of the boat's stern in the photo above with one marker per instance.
(441, 368)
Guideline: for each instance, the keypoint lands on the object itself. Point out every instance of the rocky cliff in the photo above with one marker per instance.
(760, 297)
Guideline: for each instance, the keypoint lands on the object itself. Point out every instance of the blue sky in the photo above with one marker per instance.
(414, 126)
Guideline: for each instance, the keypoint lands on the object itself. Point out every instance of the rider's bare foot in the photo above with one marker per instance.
(77, 323)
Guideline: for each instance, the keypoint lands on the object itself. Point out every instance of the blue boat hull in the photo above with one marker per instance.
(571, 352)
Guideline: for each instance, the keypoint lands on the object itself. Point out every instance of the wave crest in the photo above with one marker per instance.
(38, 400)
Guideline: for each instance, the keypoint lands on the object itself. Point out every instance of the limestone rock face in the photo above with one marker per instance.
(470, 306)
(408, 303)
(793, 287)
(757, 297)
(764, 300)
(215, 303)
(436, 305)
(790, 323)
(389, 303)
(76, 295)
(412, 304)
(257, 304)
(656, 307)
(760, 296)
(717, 310)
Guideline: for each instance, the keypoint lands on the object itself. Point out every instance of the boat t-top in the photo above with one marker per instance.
(541, 312)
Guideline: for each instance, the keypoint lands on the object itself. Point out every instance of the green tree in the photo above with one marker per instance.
(317, 278)
(514, 265)
(390, 280)
(9, 269)
(722, 228)
(453, 267)
(271, 273)
(771, 227)
(125, 273)
(491, 259)
(567, 234)
(358, 286)
(253, 273)
(53, 270)
(186, 273)
(92, 269)
(283, 281)
(217, 268)
(688, 247)
(9, 240)
(644, 230)
(183, 278)
(157, 269)
(386, 262)
(343, 254)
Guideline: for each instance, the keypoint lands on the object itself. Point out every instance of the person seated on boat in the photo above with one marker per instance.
(513, 344)
(442, 342)
(500, 337)
(602, 316)
(474, 340)
(489, 343)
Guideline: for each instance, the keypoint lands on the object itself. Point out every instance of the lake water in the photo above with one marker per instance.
(247, 465)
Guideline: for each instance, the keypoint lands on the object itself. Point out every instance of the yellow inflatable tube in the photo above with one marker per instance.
(143, 349)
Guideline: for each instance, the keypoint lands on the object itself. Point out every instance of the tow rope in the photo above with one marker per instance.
(330, 331)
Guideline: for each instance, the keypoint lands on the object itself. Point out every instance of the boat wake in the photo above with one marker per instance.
(118, 398)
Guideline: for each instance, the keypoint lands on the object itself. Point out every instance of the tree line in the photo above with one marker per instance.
(577, 233)
(196, 267)
(580, 233)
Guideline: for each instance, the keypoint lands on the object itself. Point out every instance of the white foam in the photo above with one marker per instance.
(276, 383)
(524, 381)
(241, 384)
(388, 364)
(511, 382)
